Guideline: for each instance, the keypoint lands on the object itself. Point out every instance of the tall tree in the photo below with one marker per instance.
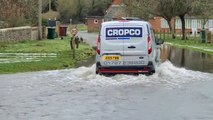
(31, 10)
(80, 9)
(183, 7)
(52, 4)
(166, 9)
(66, 9)
(19, 12)
(139, 8)
(98, 7)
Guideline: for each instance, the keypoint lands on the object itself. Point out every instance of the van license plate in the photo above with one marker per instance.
(112, 58)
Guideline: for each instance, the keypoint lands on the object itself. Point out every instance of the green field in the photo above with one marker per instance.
(61, 48)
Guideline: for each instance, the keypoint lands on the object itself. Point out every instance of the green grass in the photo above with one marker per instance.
(60, 47)
(191, 43)
(82, 27)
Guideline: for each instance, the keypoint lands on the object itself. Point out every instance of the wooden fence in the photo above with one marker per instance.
(162, 34)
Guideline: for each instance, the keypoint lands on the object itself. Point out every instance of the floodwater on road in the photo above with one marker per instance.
(187, 58)
(172, 93)
(79, 94)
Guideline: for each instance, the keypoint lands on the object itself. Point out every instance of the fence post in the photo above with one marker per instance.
(195, 39)
(156, 35)
(164, 34)
(159, 34)
(209, 37)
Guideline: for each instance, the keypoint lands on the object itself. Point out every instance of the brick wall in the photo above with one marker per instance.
(156, 23)
(94, 24)
(18, 34)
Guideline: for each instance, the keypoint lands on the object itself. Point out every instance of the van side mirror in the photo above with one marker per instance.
(159, 41)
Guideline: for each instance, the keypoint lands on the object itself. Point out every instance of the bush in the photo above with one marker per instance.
(16, 21)
(44, 22)
(1, 24)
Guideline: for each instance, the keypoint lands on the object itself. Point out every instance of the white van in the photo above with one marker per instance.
(126, 47)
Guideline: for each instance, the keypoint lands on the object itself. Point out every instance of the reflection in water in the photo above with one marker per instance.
(188, 59)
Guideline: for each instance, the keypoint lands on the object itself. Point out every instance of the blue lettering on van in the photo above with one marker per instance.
(123, 33)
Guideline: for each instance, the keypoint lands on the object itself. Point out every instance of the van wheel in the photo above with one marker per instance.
(108, 74)
(150, 73)
(97, 68)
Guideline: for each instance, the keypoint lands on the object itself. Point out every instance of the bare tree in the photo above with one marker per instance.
(97, 7)
(39, 19)
(146, 9)
(182, 8)
(139, 8)
(166, 9)
(67, 9)
(203, 9)
(80, 9)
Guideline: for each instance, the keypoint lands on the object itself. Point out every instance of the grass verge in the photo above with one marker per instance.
(62, 48)
(194, 44)
(81, 27)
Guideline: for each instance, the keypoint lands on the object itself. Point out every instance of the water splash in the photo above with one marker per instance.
(166, 74)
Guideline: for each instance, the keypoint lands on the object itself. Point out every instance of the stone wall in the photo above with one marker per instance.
(18, 34)
(34, 33)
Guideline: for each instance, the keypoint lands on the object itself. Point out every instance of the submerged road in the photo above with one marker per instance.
(79, 94)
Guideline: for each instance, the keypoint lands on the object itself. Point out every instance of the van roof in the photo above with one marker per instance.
(108, 23)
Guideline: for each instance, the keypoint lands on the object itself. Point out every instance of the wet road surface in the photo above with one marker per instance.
(79, 94)
(89, 38)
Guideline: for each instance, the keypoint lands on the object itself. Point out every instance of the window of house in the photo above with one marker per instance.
(188, 24)
(164, 23)
(199, 22)
(178, 24)
(194, 23)
(207, 24)
(210, 23)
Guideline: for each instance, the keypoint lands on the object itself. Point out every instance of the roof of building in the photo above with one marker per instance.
(115, 12)
(95, 17)
(117, 2)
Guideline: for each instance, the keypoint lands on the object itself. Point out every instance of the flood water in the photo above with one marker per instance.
(179, 57)
(187, 58)
(172, 93)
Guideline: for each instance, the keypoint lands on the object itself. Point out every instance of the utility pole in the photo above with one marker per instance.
(39, 19)
(49, 5)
